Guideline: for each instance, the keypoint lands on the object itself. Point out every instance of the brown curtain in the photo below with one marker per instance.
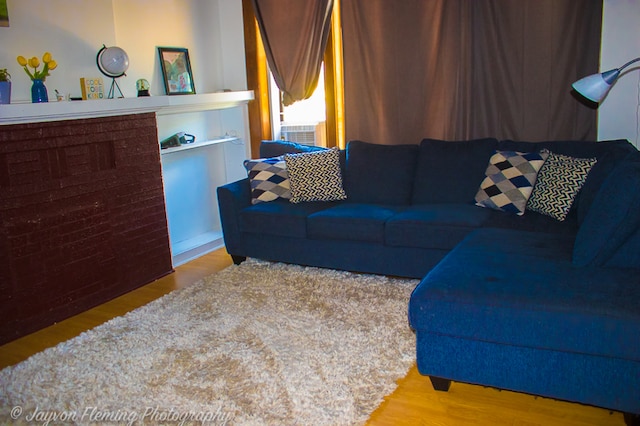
(294, 33)
(463, 69)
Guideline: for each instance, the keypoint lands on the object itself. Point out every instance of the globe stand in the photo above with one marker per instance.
(113, 63)
(112, 90)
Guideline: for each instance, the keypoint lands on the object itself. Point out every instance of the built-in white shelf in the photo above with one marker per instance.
(191, 174)
(162, 105)
(198, 144)
(184, 251)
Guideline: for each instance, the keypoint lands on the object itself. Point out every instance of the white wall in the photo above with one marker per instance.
(618, 113)
(232, 42)
(74, 30)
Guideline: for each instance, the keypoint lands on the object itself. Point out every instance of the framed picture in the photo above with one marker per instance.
(4, 14)
(176, 71)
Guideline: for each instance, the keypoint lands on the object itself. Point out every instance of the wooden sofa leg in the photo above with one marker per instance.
(632, 419)
(238, 259)
(440, 384)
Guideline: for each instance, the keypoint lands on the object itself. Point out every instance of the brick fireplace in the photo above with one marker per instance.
(82, 217)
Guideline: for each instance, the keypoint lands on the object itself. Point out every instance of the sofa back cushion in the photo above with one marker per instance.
(451, 171)
(611, 154)
(608, 154)
(574, 148)
(628, 254)
(277, 148)
(614, 216)
(380, 174)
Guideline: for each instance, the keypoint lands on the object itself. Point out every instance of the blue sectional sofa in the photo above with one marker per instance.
(533, 301)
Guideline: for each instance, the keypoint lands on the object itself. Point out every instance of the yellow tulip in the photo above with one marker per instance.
(34, 62)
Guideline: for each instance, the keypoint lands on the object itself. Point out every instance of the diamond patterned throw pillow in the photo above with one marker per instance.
(269, 179)
(559, 181)
(509, 181)
(315, 176)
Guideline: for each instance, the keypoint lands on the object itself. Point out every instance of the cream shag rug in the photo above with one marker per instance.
(260, 343)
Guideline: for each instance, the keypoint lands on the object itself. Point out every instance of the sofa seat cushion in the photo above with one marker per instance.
(434, 226)
(279, 217)
(537, 245)
(351, 221)
(531, 221)
(523, 291)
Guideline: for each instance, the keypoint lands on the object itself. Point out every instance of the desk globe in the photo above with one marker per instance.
(113, 62)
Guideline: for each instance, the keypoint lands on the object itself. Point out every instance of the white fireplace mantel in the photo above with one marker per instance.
(162, 105)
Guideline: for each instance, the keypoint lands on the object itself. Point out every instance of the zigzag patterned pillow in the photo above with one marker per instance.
(559, 181)
(269, 179)
(509, 180)
(315, 176)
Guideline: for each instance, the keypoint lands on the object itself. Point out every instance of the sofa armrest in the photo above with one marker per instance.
(232, 198)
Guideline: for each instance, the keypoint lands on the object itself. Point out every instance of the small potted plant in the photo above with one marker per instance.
(5, 86)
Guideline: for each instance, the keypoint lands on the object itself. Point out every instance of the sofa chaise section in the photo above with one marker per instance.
(541, 313)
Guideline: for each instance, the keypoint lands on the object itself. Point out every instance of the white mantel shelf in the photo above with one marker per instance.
(161, 105)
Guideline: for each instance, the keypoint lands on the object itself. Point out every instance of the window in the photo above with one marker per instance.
(304, 121)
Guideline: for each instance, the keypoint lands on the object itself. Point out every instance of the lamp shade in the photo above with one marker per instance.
(596, 86)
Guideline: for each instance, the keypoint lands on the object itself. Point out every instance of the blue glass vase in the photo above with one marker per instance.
(39, 92)
(5, 92)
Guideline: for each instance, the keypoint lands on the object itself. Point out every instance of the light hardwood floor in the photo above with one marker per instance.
(413, 403)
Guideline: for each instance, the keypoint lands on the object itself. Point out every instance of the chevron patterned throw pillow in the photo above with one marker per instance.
(559, 181)
(509, 181)
(315, 176)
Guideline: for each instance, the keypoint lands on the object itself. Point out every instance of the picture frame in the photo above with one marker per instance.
(4, 14)
(176, 71)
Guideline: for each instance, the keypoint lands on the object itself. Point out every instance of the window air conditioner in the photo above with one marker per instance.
(307, 134)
